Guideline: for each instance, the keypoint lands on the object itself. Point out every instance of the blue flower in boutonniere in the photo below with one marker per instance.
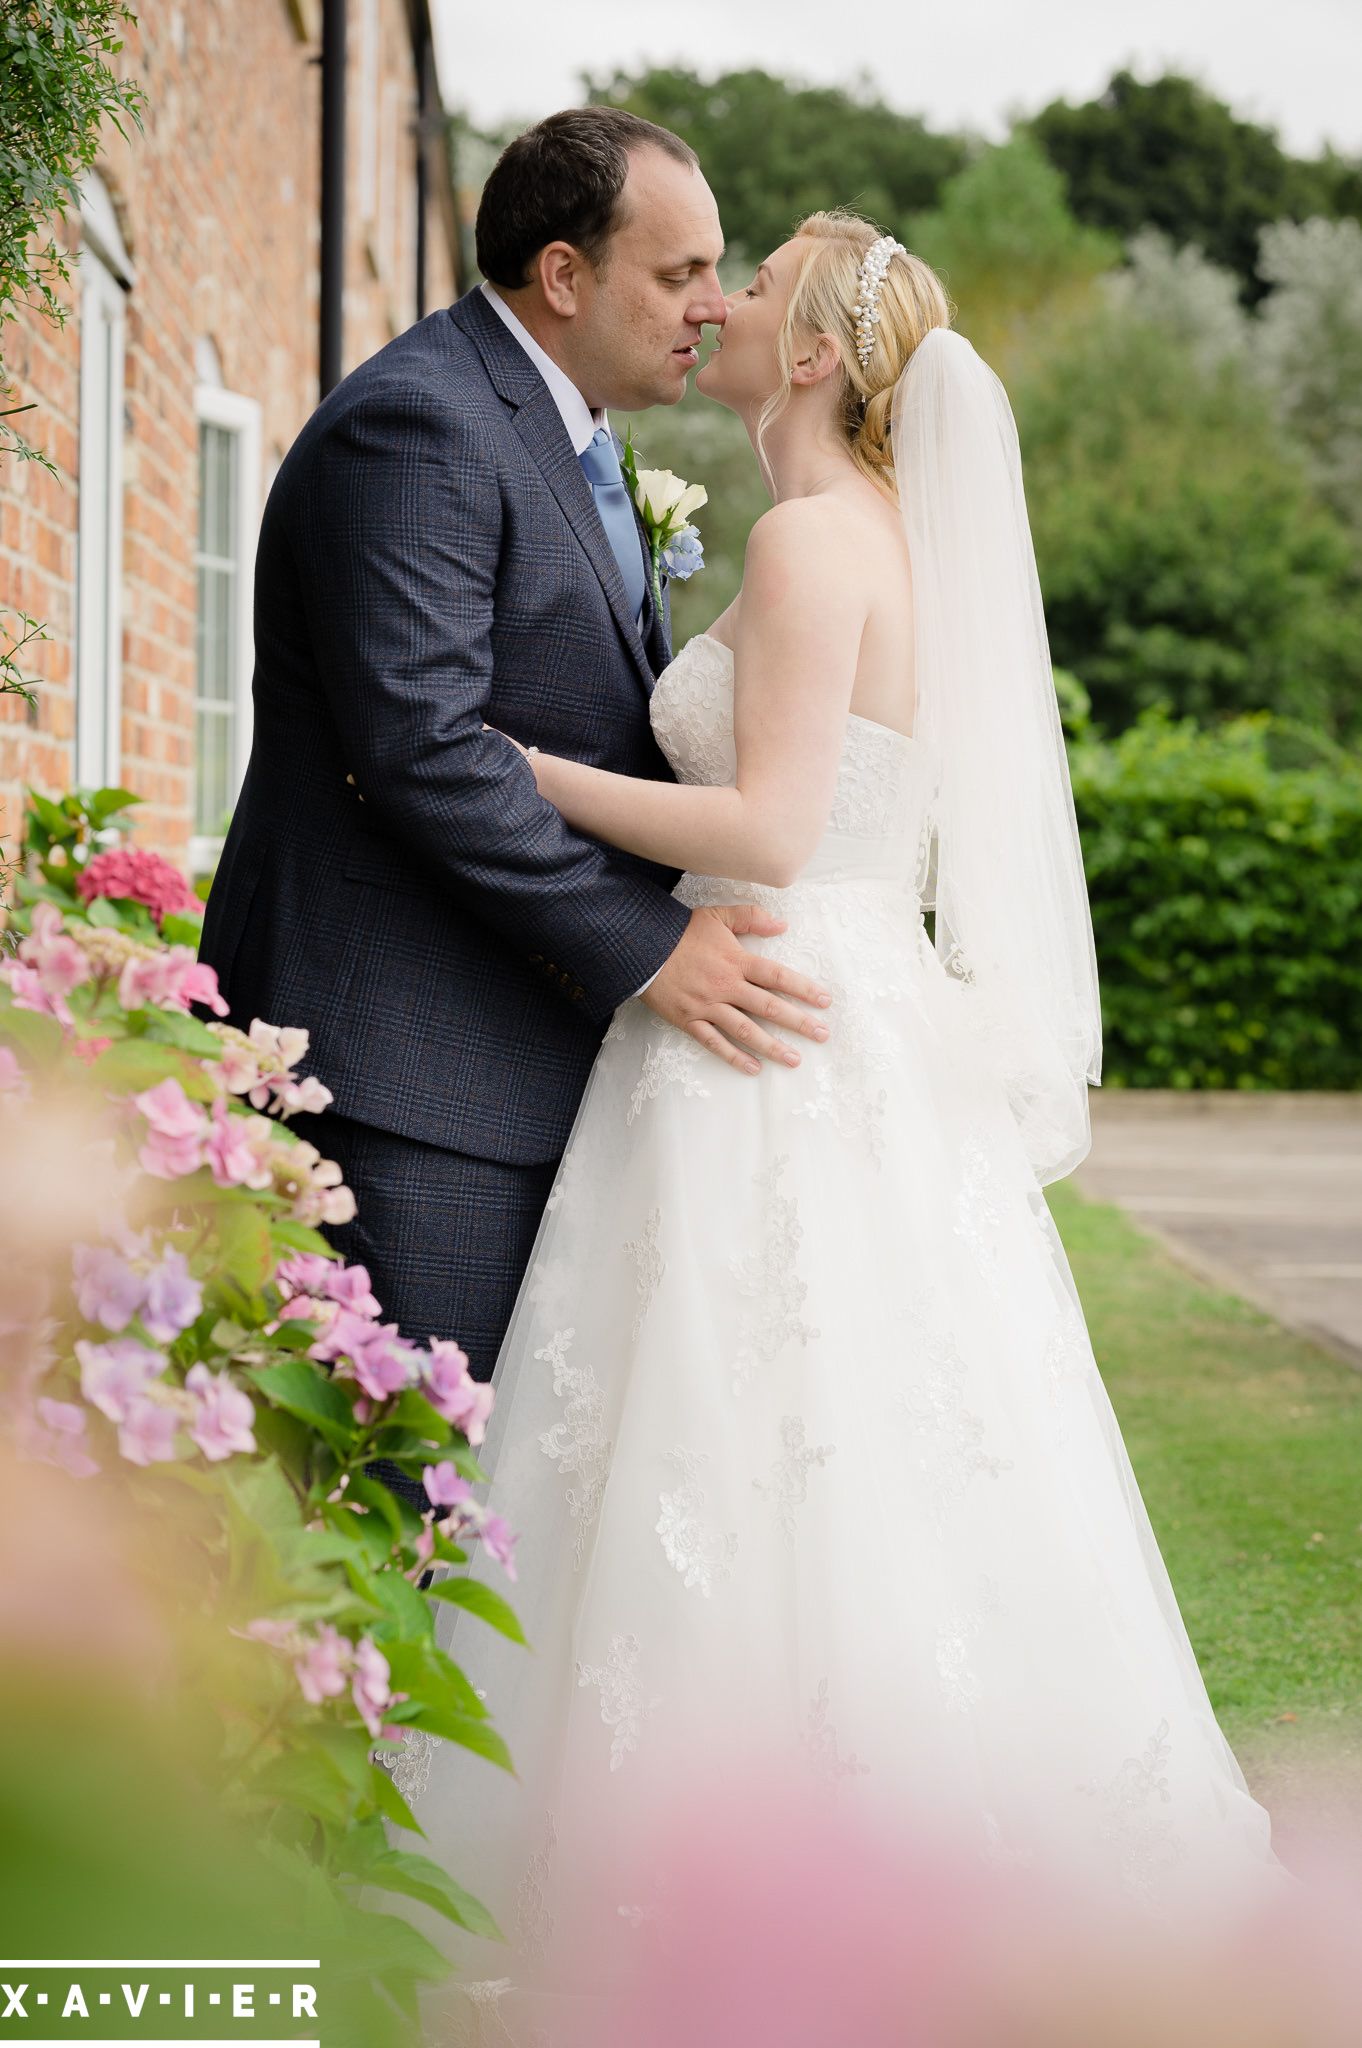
(666, 502)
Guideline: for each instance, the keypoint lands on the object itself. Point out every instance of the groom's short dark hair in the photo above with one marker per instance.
(561, 182)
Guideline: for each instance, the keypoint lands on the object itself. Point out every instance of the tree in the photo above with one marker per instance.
(57, 87)
(1008, 248)
(1184, 555)
(1307, 345)
(1167, 154)
(774, 151)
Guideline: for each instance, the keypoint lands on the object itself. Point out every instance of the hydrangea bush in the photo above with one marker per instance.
(210, 1354)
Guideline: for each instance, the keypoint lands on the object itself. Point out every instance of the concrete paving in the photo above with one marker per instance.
(1259, 1194)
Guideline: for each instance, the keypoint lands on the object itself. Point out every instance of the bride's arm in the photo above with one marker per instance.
(799, 631)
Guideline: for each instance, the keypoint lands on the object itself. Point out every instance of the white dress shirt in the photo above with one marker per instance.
(581, 422)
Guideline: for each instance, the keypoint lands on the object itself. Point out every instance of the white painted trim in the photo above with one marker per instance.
(99, 533)
(241, 415)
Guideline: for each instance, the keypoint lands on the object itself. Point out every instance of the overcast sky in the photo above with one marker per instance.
(960, 63)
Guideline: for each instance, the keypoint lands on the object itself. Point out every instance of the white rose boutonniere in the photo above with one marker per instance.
(666, 502)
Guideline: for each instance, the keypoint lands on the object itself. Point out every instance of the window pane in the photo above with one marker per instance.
(215, 632)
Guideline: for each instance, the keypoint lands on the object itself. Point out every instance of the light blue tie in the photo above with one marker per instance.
(601, 468)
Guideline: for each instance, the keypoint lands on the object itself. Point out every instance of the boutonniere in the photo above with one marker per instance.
(666, 502)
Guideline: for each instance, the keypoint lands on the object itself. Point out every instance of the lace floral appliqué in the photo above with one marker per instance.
(788, 1486)
(1141, 1837)
(702, 1556)
(578, 1442)
(818, 1740)
(623, 1706)
(650, 1266)
(769, 1278)
(674, 1058)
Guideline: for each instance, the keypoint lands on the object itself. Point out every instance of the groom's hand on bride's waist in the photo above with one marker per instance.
(726, 998)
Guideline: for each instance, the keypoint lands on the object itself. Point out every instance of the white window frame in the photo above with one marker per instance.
(106, 276)
(240, 416)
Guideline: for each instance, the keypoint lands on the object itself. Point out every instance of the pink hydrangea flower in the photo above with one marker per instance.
(498, 1538)
(51, 951)
(179, 1129)
(349, 1288)
(147, 1435)
(174, 1297)
(444, 1486)
(238, 1149)
(145, 878)
(453, 1393)
(225, 1417)
(371, 1686)
(279, 1634)
(383, 1365)
(56, 1435)
(108, 1289)
(49, 966)
(114, 1376)
(323, 1664)
(304, 1273)
(174, 979)
(309, 1096)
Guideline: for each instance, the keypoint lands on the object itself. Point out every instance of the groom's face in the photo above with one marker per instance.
(636, 328)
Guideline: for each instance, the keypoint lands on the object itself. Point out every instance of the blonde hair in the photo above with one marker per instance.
(822, 300)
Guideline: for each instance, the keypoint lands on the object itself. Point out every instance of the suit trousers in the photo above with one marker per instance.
(446, 1237)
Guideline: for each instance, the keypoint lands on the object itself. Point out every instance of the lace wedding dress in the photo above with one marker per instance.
(800, 1425)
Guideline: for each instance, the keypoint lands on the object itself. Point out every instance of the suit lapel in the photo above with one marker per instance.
(540, 426)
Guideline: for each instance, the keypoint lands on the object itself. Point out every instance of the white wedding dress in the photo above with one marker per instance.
(810, 1459)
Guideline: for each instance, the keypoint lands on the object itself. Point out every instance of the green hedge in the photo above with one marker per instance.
(1225, 872)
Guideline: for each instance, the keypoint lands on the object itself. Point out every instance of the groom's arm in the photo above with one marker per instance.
(398, 539)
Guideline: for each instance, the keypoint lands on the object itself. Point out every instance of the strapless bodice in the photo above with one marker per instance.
(880, 804)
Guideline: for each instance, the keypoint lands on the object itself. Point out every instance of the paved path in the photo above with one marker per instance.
(1259, 1194)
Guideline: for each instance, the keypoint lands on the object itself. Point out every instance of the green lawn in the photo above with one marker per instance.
(1247, 1444)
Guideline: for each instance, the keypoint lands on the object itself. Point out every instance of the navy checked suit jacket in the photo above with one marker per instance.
(431, 559)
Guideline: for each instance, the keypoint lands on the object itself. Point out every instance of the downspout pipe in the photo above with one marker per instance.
(331, 337)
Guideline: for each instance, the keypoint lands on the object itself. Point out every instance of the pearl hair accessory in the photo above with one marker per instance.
(869, 280)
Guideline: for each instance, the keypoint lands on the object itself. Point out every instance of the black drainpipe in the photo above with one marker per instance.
(424, 83)
(333, 195)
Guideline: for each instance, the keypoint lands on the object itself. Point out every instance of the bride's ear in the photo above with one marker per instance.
(817, 359)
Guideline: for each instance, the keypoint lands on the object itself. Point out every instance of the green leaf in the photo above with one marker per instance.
(417, 1877)
(177, 1027)
(308, 1778)
(40, 1037)
(102, 804)
(366, 1533)
(402, 1604)
(390, 1801)
(131, 1065)
(103, 914)
(300, 1237)
(419, 1667)
(299, 1386)
(481, 1600)
(478, 1736)
(179, 928)
(244, 1249)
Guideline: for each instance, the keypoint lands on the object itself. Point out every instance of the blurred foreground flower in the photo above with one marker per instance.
(177, 1337)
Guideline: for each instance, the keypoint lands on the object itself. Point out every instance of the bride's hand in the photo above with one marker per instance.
(528, 752)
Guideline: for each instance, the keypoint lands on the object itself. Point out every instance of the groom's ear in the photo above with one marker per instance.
(816, 360)
(559, 268)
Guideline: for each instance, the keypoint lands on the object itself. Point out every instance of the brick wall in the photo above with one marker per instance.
(218, 206)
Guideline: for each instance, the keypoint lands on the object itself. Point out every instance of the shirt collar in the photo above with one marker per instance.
(577, 416)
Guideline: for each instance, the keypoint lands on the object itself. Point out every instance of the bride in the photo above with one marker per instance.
(797, 1416)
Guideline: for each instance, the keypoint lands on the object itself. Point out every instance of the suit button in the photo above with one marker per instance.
(577, 993)
(536, 959)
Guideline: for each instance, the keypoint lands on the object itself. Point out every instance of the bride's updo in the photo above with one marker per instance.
(823, 300)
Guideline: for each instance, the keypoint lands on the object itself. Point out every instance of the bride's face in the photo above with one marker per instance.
(742, 370)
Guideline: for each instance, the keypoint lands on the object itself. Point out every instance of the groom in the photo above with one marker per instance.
(448, 545)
